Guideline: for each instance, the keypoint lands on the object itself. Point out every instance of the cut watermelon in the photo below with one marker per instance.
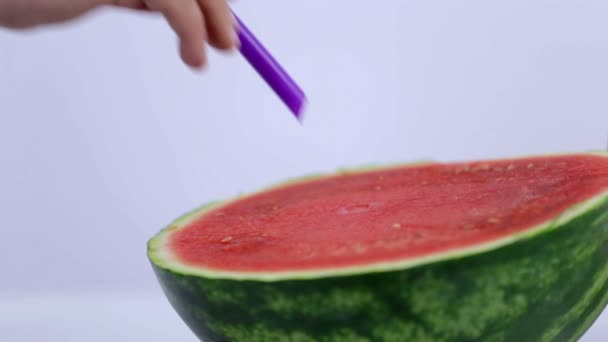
(498, 250)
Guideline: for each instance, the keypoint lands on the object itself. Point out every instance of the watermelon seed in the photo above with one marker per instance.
(338, 251)
(493, 220)
(498, 169)
(359, 249)
(482, 167)
(227, 239)
(465, 168)
(360, 208)
(396, 225)
(510, 167)
(500, 179)
(469, 226)
(530, 166)
(424, 183)
(378, 188)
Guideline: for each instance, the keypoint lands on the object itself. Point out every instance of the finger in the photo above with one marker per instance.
(187, 21)
(132, 4)
(220, 24)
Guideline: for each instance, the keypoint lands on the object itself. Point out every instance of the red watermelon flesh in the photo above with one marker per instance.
(387, 214)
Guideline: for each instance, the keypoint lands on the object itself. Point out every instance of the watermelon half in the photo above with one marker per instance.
(497, 250)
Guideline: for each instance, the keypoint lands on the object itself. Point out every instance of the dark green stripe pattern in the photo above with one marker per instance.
(549, 287)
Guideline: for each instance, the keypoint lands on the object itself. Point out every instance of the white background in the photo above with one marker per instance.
(105, 136)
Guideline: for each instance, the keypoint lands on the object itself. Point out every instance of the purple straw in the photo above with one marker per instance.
(270, 70)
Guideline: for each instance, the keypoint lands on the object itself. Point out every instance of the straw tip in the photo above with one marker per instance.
(300, 110)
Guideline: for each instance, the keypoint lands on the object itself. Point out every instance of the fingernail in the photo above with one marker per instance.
(235, 35)
(199, 69)
(236, 41)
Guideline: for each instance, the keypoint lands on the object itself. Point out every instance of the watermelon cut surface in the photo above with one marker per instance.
(496, 250)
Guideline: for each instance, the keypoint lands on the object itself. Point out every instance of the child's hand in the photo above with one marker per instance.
(194, 21)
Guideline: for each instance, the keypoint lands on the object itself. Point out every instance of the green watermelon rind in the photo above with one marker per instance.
(161, 257)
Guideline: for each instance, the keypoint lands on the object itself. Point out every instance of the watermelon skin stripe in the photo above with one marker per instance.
(547, 287)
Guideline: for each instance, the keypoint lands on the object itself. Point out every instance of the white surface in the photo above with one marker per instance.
(105, 137)
(126, 317)
(91, 318)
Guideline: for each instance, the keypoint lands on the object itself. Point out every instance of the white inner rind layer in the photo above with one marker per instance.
(161, 255)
